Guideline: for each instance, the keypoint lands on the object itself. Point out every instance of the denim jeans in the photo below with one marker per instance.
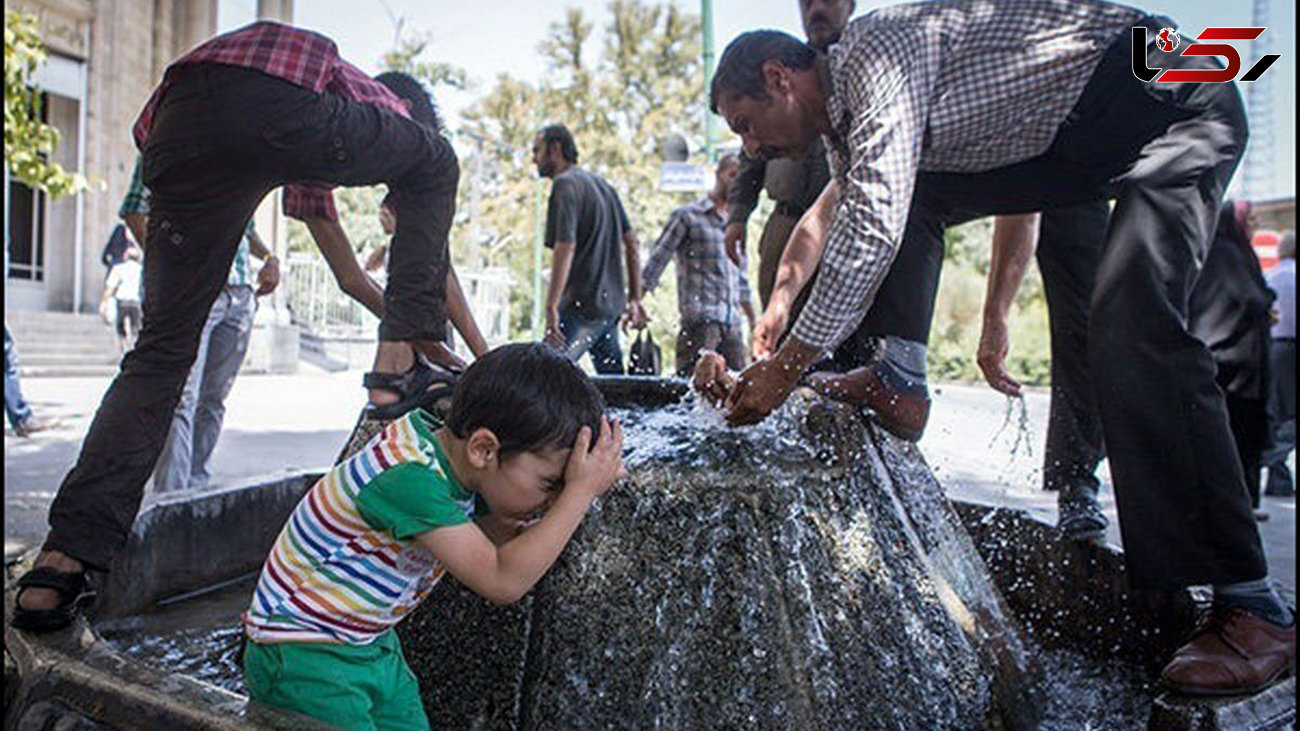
(16, 407)
(597, 338)
(197, 421)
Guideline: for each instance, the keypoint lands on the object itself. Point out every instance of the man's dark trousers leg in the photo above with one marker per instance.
(904, 304)
(222, 138)
(1185, 517)
(1070, 241)
(1165, 152)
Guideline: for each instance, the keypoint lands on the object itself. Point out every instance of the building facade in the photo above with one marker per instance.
(105, 57)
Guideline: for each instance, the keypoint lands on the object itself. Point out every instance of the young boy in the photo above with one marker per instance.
(491, 497)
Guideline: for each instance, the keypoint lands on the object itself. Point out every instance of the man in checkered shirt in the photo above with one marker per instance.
(966, 108)
(261, 107)
(712, 292)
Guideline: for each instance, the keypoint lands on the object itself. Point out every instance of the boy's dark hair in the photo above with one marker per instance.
(408, 88)
(740, 72)
(561, 134)
(530, 395)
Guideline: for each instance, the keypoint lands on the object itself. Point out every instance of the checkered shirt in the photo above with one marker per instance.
(136, 201)
(944, 86)
(709, 287)
(299, 57)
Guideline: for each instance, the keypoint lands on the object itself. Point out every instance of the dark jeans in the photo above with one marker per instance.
(1070, 242)
(222, 138)
(726, 340)
(597, 338)
(1165, 152)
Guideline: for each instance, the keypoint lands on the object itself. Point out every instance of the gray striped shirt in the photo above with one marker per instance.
(951, 86)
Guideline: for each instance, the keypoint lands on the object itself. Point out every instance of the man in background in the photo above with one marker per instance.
(594, 251)
(712, 292)
(1282, 402)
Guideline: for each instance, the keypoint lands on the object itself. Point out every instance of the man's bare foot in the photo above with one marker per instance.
(395, 358)
(36, 597)
(439, 354)
(902, 414)
(711, 377)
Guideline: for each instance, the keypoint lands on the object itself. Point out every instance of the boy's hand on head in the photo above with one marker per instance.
(594, 468)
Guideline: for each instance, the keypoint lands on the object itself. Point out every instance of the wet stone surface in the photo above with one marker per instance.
(804, 573)
(737, 578)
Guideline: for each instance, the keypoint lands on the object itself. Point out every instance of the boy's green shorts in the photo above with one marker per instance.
(354, 687)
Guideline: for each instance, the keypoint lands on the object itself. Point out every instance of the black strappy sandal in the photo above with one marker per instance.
(423, 385)
(73, 596)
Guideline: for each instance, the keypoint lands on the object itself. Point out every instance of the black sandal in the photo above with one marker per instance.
(73, 596)
(417, 387)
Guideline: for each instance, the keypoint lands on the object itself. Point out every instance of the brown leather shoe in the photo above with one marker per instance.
(902, 414)
(1232, 652)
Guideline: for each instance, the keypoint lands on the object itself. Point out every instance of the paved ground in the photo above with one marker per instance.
(979, 450)
(977, 446)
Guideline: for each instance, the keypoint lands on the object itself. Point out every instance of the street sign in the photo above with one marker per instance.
(677, 177)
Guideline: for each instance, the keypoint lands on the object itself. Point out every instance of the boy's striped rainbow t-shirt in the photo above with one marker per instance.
(346, 567)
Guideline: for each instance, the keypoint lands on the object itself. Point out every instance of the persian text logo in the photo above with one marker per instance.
(1168, 40)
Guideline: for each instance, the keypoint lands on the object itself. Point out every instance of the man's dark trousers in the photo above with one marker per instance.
(1165, 152)
(222, 138)
(1070, 242)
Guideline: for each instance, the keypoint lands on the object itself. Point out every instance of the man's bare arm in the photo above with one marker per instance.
(1014, 240)
(804, 250)
(561, 262)
(635, 316)
(798, 262)
(333, 243)
(461, 316)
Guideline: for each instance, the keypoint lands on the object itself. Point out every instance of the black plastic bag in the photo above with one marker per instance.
(644, 359)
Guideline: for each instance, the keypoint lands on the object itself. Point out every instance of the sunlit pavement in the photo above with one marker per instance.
(291, 423)
(976, 447)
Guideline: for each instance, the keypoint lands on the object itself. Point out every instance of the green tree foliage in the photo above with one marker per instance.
(29, 142)
(620, 84)
(405, 56)
(959, 309)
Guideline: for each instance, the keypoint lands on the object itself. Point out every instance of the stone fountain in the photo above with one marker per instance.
(806, 573)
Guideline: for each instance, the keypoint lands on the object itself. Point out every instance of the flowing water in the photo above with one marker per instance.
(727, 553)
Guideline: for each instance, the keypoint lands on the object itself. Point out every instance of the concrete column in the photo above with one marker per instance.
(195, 21)
(277, 10)
(164, 49)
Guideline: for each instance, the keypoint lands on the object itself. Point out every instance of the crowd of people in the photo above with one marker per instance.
(873, 137)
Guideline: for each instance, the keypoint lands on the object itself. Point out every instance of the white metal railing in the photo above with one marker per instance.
(320, 307)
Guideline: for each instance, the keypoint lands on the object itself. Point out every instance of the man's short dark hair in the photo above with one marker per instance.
(740, 72)
(530, 395)
(561, 134)
(727, 159)
(408, 88)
